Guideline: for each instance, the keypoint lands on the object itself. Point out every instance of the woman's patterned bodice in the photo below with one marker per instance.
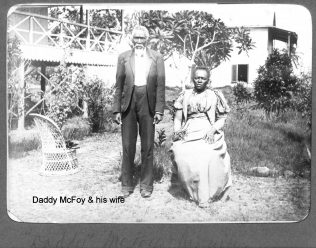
(196, 102)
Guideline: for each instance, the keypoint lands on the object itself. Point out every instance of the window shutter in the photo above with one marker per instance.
(234, 73)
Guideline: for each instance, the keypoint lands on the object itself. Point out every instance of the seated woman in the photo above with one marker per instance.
(199, 149)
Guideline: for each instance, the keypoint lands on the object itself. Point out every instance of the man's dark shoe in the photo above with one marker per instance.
(145, 194)
(126, 194)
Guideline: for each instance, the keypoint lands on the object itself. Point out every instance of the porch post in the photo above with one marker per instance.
(88, 31)
(270, 41)
(61, 35)
(43, 84)
(21, 105)
(289, 43)
(123, 23)
(31, 29)
(85, 109)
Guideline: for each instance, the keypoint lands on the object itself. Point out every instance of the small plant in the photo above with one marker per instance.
(162, 163)
(76, 128)
(241, 93)
(99, 99)
(161, 138)
(171, 108)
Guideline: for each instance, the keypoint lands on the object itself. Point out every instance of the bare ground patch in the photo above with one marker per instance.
(249, 199)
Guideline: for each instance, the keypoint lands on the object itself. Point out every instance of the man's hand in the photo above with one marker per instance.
(157, 118)
(118, 118)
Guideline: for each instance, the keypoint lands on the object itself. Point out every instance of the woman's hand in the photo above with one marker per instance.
(209, 136)
(178, 135)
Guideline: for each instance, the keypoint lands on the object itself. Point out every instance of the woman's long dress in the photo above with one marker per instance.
(203, 168)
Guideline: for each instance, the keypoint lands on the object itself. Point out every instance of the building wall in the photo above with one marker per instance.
(104, 73)
(176, 70)
(256, 57)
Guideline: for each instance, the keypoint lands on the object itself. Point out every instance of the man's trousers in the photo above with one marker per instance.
(137, 116)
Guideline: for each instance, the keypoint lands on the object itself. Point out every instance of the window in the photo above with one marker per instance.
(240, 73)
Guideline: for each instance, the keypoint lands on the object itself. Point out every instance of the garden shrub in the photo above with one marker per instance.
(241, 93)
(276, 84)
(99, 99)
(76, 128)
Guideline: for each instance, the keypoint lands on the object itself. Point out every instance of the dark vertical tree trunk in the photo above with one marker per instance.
(81, 14)
(43, 86)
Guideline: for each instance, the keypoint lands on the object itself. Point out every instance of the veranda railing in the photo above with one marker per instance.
(34, 29)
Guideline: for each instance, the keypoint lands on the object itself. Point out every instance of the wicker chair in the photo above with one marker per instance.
(57, 158)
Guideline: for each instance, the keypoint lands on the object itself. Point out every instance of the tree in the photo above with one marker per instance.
(106, 18)
(196, 35)
(102, 18)
(276, 84)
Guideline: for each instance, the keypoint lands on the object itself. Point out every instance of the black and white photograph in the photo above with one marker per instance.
(159, 113)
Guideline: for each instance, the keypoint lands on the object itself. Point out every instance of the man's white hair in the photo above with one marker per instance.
(141, 28)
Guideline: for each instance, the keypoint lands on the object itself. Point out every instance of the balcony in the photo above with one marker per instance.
(52, 40)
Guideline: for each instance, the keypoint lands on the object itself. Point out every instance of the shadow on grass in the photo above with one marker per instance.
(178, 192)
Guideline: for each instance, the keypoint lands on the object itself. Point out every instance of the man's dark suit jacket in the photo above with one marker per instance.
(125, 81)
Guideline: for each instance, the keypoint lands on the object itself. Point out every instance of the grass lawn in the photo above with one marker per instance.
(252, 141)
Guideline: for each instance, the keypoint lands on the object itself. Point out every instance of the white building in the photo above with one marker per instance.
(243, 67)
(240, 67)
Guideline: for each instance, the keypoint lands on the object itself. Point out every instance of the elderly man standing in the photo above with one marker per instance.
(139, 101)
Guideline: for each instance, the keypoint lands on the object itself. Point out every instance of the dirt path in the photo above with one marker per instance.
(249, 199)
